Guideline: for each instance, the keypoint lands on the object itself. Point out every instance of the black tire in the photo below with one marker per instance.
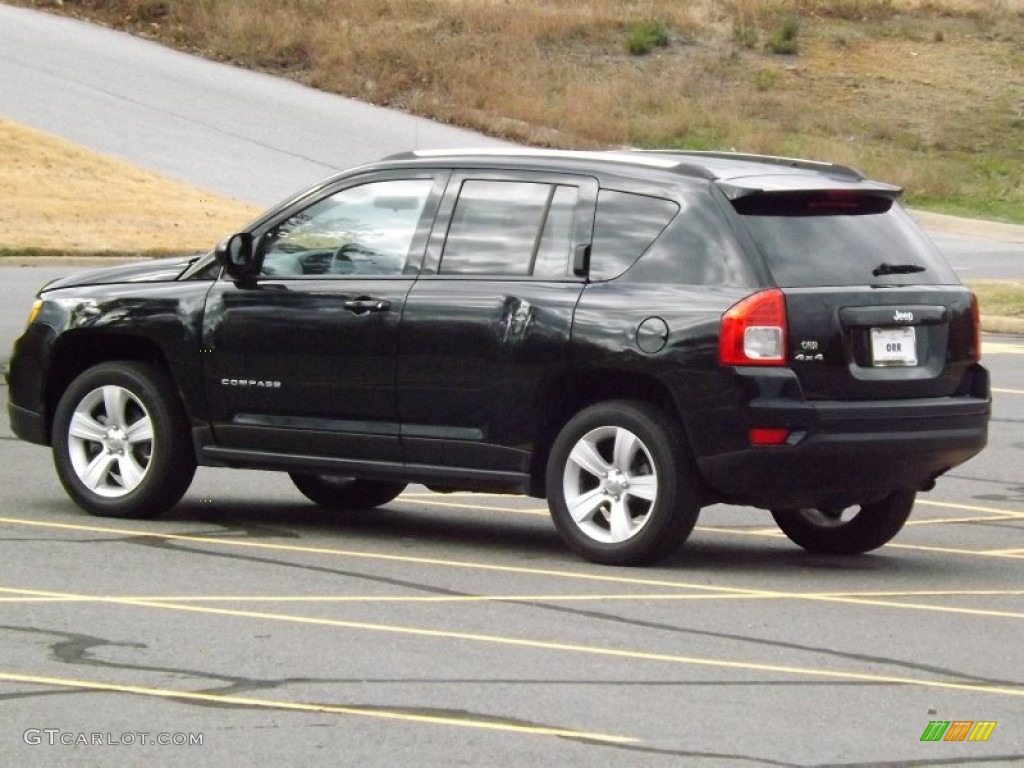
(828, 532)
(636, 446)
(121, 442)
(339, 492)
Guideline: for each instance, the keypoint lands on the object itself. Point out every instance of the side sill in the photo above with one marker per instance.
(455, 478)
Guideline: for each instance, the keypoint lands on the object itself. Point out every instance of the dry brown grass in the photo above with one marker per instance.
(926, 93)
(60, 199)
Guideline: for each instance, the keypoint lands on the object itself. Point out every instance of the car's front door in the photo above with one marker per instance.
(301, 359)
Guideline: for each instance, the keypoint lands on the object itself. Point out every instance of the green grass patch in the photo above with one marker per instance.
(646, 36)
(999, 297)
(783, 41)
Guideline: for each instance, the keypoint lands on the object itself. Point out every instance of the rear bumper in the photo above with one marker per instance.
(840, 451)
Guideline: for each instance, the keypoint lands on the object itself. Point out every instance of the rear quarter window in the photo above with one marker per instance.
(625, 226)
(699, 247)
(839, 239)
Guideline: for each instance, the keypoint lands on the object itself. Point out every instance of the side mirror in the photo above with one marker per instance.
(236, 255)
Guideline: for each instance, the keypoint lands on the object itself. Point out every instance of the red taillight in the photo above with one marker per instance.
(976, 318)
(768, 436)
(754, 331)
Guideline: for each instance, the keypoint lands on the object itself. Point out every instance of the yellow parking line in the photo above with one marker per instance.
(839, 597)
(245, 701)
(576, 575)
(552, 598)
(771, 533)
(455, 494)
(1012, 554)
(424, 499)
(547, 597)
(969, 507)
(588, 575)
(572, 648)
(953, 520)
(955, 551)
(1008, 391)
(927, 593)
(475, 507)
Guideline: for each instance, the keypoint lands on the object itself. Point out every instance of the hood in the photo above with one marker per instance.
(153, 271)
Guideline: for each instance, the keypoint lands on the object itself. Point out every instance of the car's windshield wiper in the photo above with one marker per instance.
(896, 269)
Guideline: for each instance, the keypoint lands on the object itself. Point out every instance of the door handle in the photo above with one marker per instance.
(366, 304)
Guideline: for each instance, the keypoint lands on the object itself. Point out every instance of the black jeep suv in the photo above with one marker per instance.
(633, 335)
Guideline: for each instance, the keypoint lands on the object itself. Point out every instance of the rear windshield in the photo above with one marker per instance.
(840, 238)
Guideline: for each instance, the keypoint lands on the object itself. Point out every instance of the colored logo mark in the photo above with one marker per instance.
(958, 730)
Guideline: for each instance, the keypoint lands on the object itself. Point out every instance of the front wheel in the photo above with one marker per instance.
(851, 531)
(121, 443)
(621, 487)
(339, 492)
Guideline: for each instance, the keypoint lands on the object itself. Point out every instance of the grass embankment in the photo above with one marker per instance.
(1000, 298)
(58, 199)
(928, 94)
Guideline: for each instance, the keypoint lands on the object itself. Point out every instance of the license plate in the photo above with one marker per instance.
(894, 346)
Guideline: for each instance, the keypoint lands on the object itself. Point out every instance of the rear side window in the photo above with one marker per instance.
(840, 238)
(625, 226)
(511, 228)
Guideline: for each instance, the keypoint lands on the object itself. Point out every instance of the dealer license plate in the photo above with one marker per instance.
(894, 346)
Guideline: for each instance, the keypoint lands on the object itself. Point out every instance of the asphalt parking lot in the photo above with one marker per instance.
(456, 630)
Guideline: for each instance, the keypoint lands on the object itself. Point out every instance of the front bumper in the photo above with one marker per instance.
(28, 425)
(26, 375)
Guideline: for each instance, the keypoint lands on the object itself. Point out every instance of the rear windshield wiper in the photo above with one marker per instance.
(896, 269)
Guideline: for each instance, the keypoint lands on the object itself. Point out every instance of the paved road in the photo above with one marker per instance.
(456, 630)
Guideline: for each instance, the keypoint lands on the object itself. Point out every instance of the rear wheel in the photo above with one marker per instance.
(339, 492)
(849, 531)
(620, 485)
(121, 443)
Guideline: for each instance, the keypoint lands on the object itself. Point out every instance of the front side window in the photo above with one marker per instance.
(511, 228)
(364, 230)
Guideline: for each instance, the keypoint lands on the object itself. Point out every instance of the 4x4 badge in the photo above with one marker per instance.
(810, 352)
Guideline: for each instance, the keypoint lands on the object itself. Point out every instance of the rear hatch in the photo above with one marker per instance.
(874, 311)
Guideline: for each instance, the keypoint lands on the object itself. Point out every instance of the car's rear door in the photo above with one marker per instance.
(486, 326)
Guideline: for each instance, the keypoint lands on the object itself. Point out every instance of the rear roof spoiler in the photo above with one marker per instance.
(794, 182)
